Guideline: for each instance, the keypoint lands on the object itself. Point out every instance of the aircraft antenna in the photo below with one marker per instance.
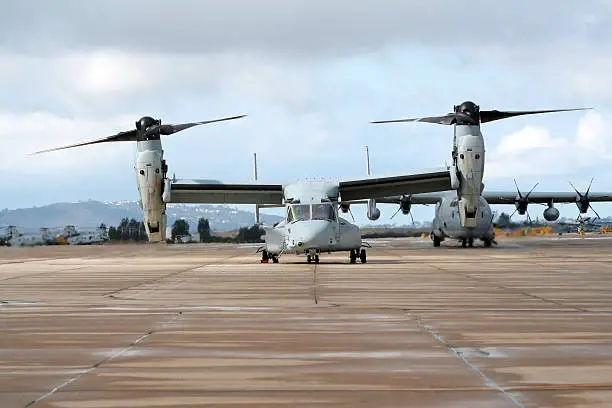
(257, 218)
(367, 150)
(255, 166)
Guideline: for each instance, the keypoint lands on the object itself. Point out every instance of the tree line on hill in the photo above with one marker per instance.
(133, 230)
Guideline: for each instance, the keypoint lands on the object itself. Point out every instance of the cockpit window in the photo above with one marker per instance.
(301, 212)
(323, 212)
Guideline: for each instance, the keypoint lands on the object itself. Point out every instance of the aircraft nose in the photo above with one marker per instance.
(311, 234)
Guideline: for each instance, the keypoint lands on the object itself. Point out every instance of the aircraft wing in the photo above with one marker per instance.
(382, 187)
(215, 192)
(508, 197)
(423, 198)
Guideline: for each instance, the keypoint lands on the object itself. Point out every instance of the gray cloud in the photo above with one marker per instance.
(293, 27)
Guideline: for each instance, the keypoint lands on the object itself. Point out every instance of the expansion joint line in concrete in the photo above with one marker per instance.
(512, 290)
(488, 380)
(42, 273)
(169, 275)
(314, 285)
(119, 353)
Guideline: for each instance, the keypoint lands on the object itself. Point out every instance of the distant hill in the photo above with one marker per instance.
(89, 214)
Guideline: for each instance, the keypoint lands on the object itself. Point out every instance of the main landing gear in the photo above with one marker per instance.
(311, 258)
(266, 256)
(362, 255)
(467, 242)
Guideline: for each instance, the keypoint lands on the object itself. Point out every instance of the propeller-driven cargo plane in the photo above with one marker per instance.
(465, 214)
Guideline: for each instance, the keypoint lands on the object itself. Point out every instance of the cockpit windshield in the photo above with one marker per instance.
(323, 212)
(299, 212)
(304, 212)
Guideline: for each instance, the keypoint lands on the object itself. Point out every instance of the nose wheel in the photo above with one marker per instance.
(266, 257)
(311, 258)
(356, 252)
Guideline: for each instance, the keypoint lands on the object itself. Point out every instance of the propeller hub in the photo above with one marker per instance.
(468, 113)
(146, 122)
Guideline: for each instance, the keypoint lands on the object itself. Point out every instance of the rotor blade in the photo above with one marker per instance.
(589, 188)
(513, 213)
(412, 218)
(591, 207)
(130, 135)
(352, 216)
(441, 120)
(491, 115)
(170, 129)
(576, 190)
(533, 188)
(517, 189)
(394, 214)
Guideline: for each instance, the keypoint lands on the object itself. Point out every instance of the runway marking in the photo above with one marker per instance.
(101, 362)
(458, 353)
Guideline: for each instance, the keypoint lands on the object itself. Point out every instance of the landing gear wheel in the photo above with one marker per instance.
(463, 243)
(274, 259)
(487, 243)
(353, 256)
(436, 241)
(362, 256)
(265, 257)
(471, 242)
(316, 259)
(308, 259)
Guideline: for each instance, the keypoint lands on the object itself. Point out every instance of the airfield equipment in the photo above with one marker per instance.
(151, 168)
(467, 169)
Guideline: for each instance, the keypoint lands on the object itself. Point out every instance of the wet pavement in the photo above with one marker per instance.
(524, 324)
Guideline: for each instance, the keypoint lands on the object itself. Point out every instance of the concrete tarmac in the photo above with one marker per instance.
(524, 324)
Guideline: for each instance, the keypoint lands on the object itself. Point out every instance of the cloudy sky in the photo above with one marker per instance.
(310, 75)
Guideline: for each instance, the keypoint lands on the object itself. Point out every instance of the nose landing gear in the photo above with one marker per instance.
(310, 258)
(266, 257)
(362, 255)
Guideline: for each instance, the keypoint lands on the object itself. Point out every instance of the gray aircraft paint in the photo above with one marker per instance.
(312, 236)
(150, 167)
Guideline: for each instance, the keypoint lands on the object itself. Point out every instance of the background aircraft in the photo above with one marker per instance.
(468, 153)
(150, 166)
(311, 225)
(446, 223)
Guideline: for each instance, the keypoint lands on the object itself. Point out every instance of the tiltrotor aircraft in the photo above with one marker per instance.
(312, 224)
(465, 213)
(468, 154)
(150, 166)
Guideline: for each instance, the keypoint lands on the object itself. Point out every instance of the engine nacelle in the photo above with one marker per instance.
(345, 207)
(405, 206)
(551, 214)
(583, 205)
(373, 212)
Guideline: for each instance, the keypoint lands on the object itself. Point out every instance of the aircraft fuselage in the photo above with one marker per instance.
(312, 225)
(447, 222)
